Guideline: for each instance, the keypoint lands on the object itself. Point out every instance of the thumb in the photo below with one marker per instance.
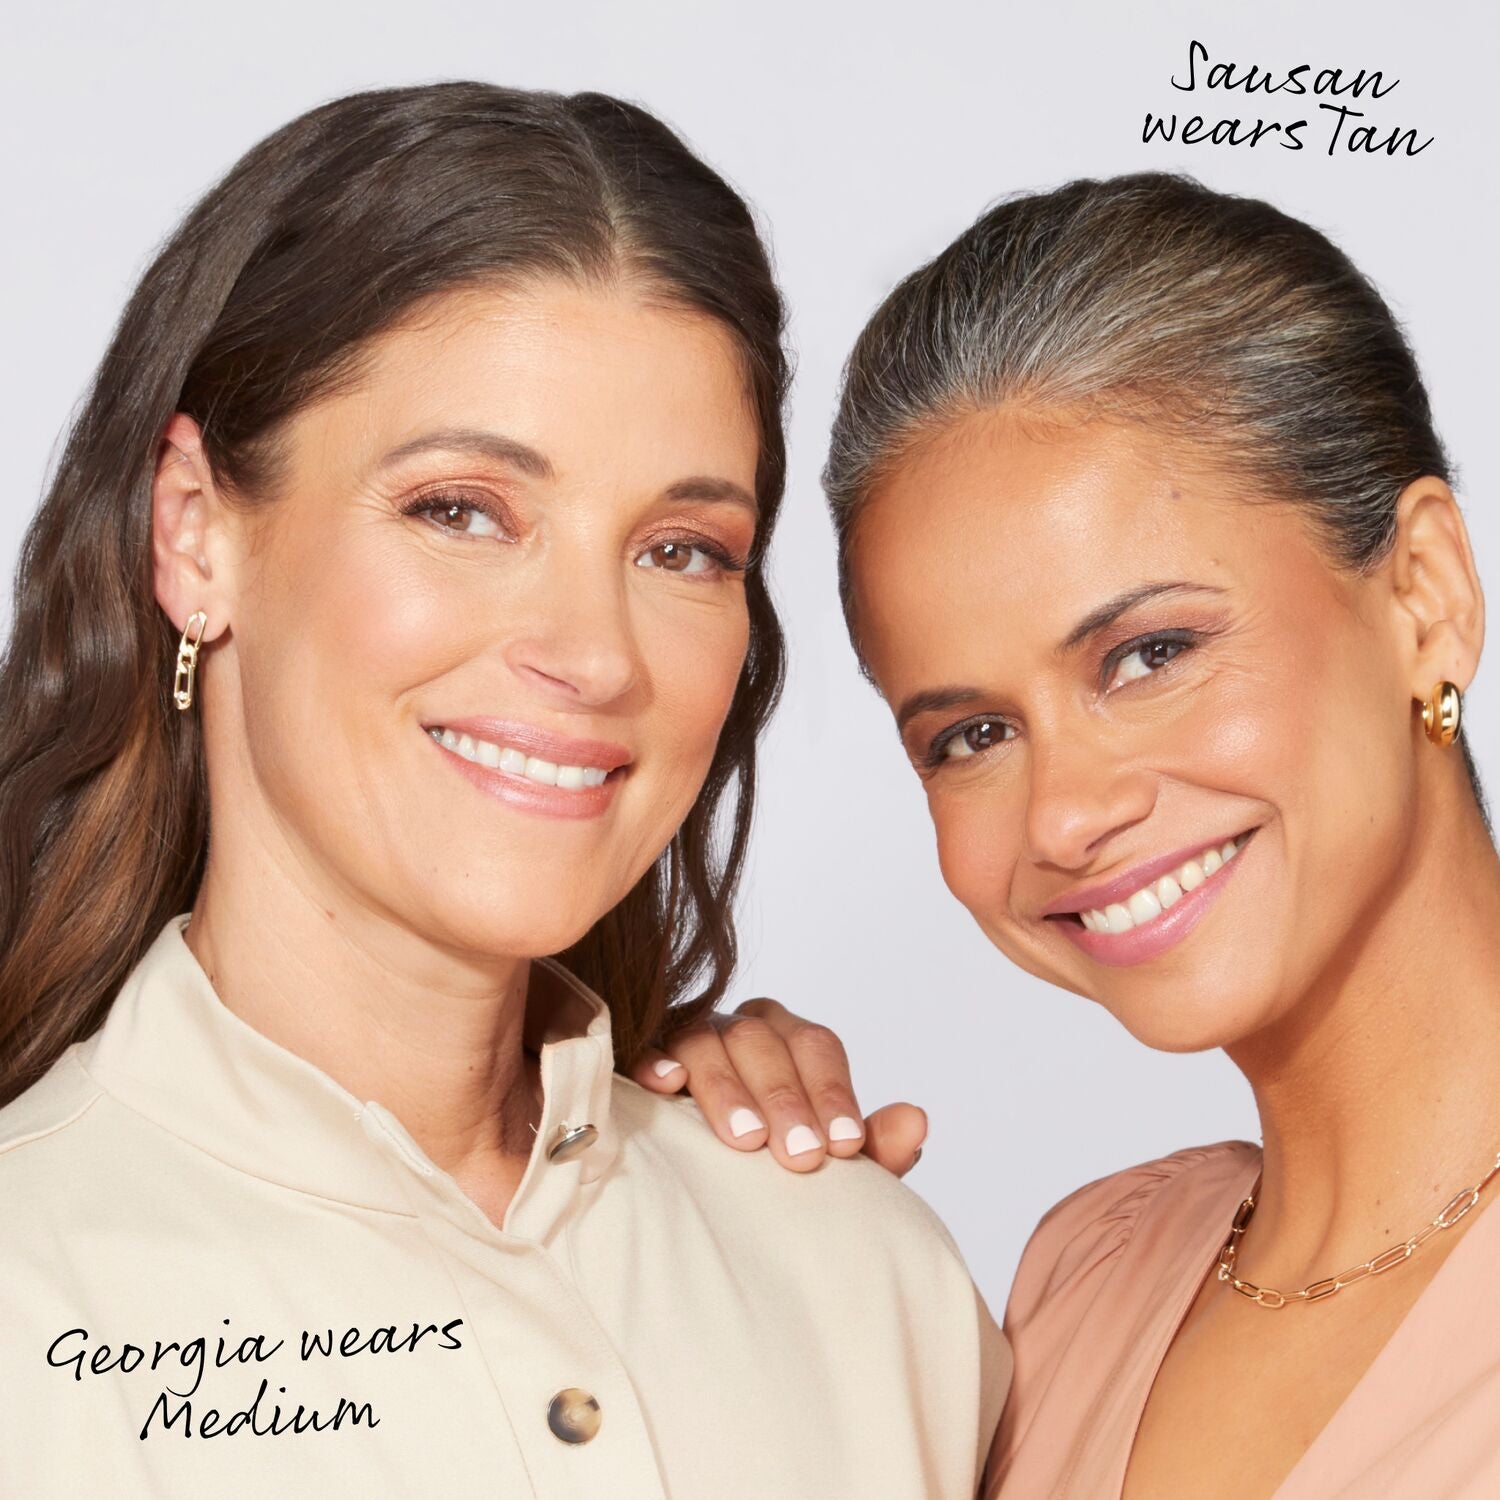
(894, 1136)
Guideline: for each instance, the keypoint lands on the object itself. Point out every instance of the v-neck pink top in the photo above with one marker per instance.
(1110, 1273)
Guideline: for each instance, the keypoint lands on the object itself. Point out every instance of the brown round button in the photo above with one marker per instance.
(574, 1415)
(572, 1140)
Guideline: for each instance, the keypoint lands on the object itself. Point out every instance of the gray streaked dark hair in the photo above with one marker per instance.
(1151, 297)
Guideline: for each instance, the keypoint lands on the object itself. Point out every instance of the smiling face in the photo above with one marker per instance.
(487, 636)
(1081, 754)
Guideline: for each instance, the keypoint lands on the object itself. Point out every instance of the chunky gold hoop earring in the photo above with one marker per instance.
(187, 660)
(1442, 712)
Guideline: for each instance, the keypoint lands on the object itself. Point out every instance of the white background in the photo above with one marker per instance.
(867, 135)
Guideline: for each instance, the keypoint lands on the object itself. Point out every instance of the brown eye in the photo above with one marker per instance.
(459, 515)
(978, 736)
(676, 557)
(447, 515)
(1152, 654)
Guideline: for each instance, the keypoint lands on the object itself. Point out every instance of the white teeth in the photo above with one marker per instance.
(1151, 900)
(544, 771)
(518, 763)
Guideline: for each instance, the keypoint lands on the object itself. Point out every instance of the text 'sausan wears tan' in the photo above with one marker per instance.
(660, 1316)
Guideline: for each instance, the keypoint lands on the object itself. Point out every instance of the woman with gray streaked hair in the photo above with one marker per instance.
(1181, 769)
(1148, 539)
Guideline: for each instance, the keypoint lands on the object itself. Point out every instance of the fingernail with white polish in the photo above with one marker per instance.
(801, 1138)
(664, 1065)
(743, 1121)
(845, 1128)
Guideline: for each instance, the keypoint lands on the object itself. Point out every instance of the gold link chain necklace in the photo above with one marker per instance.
(1264, 1296)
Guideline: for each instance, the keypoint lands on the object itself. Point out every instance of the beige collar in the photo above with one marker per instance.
(170, 1050)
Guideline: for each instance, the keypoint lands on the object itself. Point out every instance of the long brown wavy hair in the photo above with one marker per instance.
(262, 301)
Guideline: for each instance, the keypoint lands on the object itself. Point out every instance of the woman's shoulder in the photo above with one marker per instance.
(1079, 1237)
(850, 1211)
(51, 1137)
(32, 1122)
(848, 1244)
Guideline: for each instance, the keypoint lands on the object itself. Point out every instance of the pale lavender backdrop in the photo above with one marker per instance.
(867, 134)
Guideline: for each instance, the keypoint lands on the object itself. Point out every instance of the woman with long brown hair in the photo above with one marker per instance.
(396, 618)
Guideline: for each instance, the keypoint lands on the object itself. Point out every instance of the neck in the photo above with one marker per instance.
(1379, 1093)
(433, 1032)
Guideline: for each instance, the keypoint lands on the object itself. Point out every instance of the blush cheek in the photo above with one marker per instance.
(975, 857)
(1250, 744)
(395, 637)
(354, 606)
(694, 670)
(379, 637)
(350, 631)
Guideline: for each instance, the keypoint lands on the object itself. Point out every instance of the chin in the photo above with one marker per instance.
(1216, 1018)
(534, 922)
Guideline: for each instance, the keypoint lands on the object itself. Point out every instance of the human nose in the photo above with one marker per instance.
(576, 640)
(1081, 793)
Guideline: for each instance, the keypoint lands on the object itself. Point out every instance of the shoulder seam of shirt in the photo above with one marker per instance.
(1133, 1187)
(53, 1126)
(229, 1166)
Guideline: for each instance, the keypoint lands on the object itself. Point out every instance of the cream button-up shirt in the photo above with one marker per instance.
(221, 1274)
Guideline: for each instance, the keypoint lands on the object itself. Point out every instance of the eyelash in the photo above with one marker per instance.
(1187, 638)
(445, 500)
(451, 500)
(937, 752)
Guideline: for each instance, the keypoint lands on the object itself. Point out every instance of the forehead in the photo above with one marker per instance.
(580, 373)
(1005, 529)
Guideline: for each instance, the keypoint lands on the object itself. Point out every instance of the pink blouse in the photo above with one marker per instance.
(1110, 1273)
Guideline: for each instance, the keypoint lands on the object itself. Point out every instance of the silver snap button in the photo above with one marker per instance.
(574, 1415)
(572, 1140)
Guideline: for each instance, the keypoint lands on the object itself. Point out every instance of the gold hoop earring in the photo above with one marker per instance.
(1442, 712)
(187, 660)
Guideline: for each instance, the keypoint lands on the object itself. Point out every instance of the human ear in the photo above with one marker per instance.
(1436, 587)
(185, 506)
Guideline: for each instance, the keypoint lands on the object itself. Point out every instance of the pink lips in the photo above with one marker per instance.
(1160, 933)
(521, 791)
(1097, 897)
(560, 749)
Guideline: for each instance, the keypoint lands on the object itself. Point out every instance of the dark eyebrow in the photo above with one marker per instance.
(473, 440)
(700, 487)
(1110, 611)
(929, 700)
(493, 445)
